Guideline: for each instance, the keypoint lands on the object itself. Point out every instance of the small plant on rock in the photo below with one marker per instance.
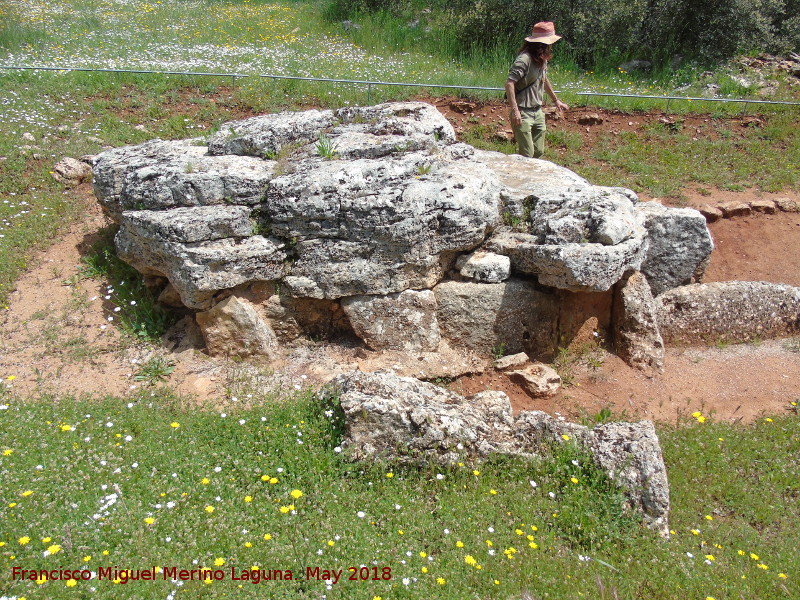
(325, 147)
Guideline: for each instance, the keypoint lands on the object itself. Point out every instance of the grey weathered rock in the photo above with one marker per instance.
(353, 132)
(404, 321)
(197, 269)
(265, 136)
(631, 454)
(538, 380)
(376, 131)
(233, 327)
(597, 215)
(637, 339)
(485, 267)
(527, 179)
(72, 172)
(373, 227)
(511, 361)
(483, 316)
(574, 267)
(197, 224)
(159, 175)
(403, 419)
(680, 246)
(730, 310)
(582, 238)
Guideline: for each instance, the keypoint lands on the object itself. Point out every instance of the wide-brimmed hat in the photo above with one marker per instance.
(543, 32)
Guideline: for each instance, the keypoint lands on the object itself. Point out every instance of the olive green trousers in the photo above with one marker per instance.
(530, 133)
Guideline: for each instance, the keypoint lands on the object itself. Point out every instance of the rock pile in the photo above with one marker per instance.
(373, 221)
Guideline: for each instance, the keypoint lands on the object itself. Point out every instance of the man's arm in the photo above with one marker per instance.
(550, 92)
(511, 94)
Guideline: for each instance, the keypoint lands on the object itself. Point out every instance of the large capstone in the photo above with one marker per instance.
(160, 175)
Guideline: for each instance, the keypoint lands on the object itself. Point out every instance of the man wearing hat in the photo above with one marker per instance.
(527, 82)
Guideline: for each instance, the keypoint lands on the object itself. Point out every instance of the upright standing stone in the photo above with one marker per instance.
(637, 339)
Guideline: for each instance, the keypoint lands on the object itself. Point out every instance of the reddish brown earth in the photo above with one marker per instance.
(52, 340)
(494, 114)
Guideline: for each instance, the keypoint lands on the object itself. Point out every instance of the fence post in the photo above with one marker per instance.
(369, 93)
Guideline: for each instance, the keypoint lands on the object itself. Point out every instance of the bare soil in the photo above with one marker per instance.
(56, 337)
(591, 122)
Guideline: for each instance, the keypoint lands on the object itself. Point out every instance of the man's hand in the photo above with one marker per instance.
(516, 118)
(560, 106)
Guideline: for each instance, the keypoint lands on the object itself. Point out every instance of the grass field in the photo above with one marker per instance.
(151, 480)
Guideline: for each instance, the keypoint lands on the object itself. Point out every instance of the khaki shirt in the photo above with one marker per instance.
(523, 73)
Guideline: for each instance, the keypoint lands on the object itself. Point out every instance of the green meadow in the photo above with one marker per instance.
(262, 484)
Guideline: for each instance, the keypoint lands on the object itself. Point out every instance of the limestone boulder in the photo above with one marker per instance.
(391, 418)
(538, 380)
(636, 336)
(351, 133)
(156, 244)
(72, 172)
(577, 267)
(160, 175)
(631, 455)
(513, 315)
(679, 247)
(595, 215)
(265, 136)
(404, 321)
(729, 310)
(234, 327)
(485, 267)
(787, 204)
(367, 227)
(531, 177)
(511, 361)
(581, 237)
(378, 131)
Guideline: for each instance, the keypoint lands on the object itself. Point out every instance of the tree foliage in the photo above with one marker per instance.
(598, 30)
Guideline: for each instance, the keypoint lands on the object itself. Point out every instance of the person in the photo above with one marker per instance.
(527, 82)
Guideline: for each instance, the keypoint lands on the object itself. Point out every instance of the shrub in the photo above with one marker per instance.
(597, 32)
